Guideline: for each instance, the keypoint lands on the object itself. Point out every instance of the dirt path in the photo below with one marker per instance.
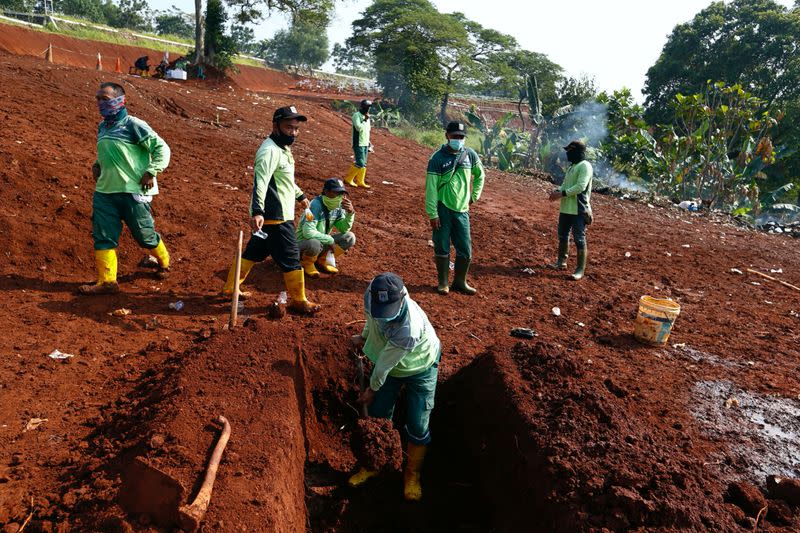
(735, 328)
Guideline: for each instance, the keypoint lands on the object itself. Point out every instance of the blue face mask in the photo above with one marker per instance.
(456, 144)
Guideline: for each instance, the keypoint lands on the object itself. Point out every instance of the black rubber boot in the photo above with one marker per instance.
(563, 255)
(443, 270)
(580, 270)
(460, 277)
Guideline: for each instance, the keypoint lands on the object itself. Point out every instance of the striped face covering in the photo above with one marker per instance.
(109, 108)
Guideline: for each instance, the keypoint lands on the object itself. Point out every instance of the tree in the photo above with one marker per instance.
(174, 22)
(406, 41)
(219, 47)
(575, 91)
(345, 61)
(468, 57)
(752, 42)
(302, 46)
(242, 37)
(131, 14)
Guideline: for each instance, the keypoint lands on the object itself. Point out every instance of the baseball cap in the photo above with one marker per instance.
(575, 145)
(334, 185)
(287, 113)
(366, 103)
(387, 293)
(456, 128)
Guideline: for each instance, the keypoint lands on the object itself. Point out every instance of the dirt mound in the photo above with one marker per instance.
(377, 444)
(575, 453)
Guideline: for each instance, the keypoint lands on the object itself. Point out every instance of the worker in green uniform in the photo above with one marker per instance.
(356, 177)
(451, 171)
(129, 156)
(575, 195)
(332, 210)
(272, 212)
(401, 343)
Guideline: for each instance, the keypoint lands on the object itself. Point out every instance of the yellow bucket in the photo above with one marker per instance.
(655, 319)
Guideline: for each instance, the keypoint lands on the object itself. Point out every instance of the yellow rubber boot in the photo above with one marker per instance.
(361, 178)
(361, 477)
(106, 261)
(162, 255)
(322, 260)
(227, 290)
(412, 486)
(296, 287)
(348, 179)
(307, 261)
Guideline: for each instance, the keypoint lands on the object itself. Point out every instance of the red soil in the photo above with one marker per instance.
(583, 426)
(377, 444)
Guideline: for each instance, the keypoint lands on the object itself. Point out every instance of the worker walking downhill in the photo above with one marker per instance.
(129, 156)
(356, 176)
(576, 211)
(332, 210)
(451, 171)
(401, 343)
(272, 211)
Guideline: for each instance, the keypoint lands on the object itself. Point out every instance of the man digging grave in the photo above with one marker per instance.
(272, 212)
(129, 156)
(401, 343)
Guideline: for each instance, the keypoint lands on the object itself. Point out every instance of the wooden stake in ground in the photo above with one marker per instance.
(235, 301)
(191, 515)
(757, 273)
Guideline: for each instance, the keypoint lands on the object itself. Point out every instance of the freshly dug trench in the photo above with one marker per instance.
(377, 445)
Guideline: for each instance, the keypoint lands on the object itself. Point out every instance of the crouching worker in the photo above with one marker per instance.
(401, 343)
(331, 210)
(129, 156)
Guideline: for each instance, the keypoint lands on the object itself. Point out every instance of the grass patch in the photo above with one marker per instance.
(433, 138)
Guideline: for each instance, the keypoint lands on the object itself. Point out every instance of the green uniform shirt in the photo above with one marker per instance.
(577, 180)
(404, 347)
(315, 229)
(451, 188)
(126, 149)
(361, 129)
(274, 189)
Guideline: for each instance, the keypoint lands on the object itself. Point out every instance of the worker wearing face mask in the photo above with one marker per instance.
(401, 343)
(332, 210)
(272, 212)
(576, 212)
(453, 182)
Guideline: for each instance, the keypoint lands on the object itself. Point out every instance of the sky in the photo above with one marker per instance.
(614, 41)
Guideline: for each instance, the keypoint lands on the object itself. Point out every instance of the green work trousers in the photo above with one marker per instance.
(110, 210)
(361, 153)
(454, 228)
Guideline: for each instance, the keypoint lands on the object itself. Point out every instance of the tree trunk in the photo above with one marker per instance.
(199, 32)
(446, 99)
(521, 116)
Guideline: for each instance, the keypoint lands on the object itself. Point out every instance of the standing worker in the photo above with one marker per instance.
(272, 211)
(361, 129)
(129, 156)
(451, 170)
(576, 212)
(401, 343)
(331, 210)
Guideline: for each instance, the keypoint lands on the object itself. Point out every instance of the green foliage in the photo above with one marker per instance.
(302, 46)
(347, 62)
(344, 106)
(575, 91)
(131, 14)
(172, 22)
(20, 6)
(243, 38)
(385, 116)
